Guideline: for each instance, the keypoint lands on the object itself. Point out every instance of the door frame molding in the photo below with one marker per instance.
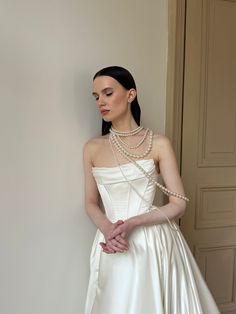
(175, 74)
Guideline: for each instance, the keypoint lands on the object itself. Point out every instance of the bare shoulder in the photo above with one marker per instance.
(93, 146)
(161, 145)
(161, 141)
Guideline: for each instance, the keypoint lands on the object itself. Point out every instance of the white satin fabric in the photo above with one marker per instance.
(158, 274)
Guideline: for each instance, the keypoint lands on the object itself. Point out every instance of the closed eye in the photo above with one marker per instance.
(106, 91)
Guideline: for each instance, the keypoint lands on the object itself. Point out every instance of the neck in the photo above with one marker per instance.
(122, 126)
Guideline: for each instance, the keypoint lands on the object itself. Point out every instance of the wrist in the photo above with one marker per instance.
(135, 221)
(105, 226)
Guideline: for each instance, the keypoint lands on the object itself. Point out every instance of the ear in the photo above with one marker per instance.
(132, 94)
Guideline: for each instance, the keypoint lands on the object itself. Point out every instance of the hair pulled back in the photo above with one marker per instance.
(125, 78)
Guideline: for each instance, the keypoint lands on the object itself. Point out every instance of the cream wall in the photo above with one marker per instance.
(49, 53)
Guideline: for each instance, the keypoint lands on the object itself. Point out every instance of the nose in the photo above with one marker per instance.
(100, 102)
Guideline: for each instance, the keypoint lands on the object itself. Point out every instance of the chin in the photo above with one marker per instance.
(106, 119)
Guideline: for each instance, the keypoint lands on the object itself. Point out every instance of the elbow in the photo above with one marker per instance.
(90, 206)
(181, 213)
(87, 208)
(182, 208)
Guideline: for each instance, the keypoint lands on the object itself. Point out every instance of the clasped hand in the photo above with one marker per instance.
(116, 237)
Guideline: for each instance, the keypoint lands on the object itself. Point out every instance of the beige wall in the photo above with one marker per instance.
(49, 52)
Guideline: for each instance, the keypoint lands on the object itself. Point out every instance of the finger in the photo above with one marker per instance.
(118, 223)
(115, 232)
(113, 246)
(108, 252)
(105, 248)
(103, 245)
(121, 240)
(118, 245)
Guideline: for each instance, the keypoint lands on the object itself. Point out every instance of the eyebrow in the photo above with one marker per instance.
(104, 90)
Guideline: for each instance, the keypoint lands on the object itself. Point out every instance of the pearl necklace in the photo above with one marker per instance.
(122, 149)
(137, 145)
(126, 133)
(128, 156)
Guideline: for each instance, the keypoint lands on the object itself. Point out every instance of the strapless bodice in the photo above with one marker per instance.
(123, 189)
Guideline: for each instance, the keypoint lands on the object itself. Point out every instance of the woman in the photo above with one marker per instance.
(140, 262)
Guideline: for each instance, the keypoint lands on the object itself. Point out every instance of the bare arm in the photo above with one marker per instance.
(92, 194)
(176, 207)
(91, 204)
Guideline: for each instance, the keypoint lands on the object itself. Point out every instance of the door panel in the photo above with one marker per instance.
(209, 144)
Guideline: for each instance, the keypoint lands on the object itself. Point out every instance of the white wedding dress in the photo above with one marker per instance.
(158, 274)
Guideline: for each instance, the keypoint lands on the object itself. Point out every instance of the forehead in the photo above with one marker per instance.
(104, 81)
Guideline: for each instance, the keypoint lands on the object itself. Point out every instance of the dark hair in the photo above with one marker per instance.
(125, 78)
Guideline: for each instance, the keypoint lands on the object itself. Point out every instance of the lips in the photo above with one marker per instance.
(104, 112)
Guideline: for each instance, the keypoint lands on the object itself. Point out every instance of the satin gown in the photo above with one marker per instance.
(158, 274)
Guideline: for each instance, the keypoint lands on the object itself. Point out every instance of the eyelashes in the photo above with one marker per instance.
(107, 94)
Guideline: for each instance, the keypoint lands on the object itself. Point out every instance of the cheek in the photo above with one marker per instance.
(120, 101)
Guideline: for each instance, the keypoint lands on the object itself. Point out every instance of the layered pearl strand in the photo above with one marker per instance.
(114, 140)
(126, 133)
(120, 148)
(135, 146)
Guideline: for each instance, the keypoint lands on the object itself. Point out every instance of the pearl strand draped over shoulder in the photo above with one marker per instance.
(158, 274)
